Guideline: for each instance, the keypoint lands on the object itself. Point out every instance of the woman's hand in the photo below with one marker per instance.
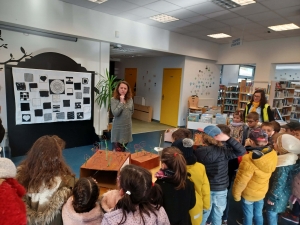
(270, 203)
(122, 98)
(221, 137)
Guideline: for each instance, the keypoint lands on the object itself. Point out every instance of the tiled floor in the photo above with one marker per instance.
(75, 157)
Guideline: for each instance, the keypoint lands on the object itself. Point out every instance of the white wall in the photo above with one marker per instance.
(85, 52)
(201, 81)
(287, 74)
(265, 54)
(151, 69)
(70, 19)
(230, 74)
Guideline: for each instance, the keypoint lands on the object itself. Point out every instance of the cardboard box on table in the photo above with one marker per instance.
(145, 159)
(104, 167)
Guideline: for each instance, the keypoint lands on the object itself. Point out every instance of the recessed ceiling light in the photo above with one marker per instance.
(229, 4)
(98, 1)
(244, 2)
(283, 27)
(220, 35)
(162, 18)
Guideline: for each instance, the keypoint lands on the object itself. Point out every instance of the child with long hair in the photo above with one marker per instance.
(214, 156)
(47, 179)
(140, 202)
(178, 191)
(82, 207)
(198, 177)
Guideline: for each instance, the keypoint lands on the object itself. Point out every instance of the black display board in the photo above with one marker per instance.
(21, 137)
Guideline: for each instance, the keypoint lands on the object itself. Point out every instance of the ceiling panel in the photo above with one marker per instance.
(263, 16)
(178, 30)
(236, 21)
(162, 6)
(295, 19)
(211, 24)
(193, 27)
(120, 5)
(273, 22)
(205, 8)
(182, 13)
(108, 10)
(250, 37)
(82, 3)
(186, 3)
(250, 9)
(196, 19)
(142, 12)
(280, 4)
(271, 35)
(179, 23)
(291, 11)
(141, 2)
(222, 15)
(129, 16)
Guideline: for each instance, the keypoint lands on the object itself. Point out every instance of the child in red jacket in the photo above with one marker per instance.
(12, 208)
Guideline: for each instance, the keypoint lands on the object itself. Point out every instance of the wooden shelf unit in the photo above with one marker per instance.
(221, 96)
(231, 99)
(295, 113)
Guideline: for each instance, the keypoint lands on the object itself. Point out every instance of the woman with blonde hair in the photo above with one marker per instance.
(47, 179)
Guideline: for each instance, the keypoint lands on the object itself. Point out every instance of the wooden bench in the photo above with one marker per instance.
(142, 112)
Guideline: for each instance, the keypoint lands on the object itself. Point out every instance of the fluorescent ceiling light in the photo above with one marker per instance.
(38, 32)
(98, 1)
(162, 18)
(220, 35)
(283, 27)
(244, 2)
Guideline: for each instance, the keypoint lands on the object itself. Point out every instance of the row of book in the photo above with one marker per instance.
(283, 94)
(231, 102)
(231, 95)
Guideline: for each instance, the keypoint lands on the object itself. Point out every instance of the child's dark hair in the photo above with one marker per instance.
(174, 160)
(253, 115)
(276, 126)
(297, 129)
(224, 128)
(240, 114)
(136, 182)
(85, 194)
(181, 133)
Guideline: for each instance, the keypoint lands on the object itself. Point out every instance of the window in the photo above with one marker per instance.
(246, 73)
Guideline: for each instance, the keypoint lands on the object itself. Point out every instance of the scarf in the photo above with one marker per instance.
(255, 105)
(164, 174)
(237, 124)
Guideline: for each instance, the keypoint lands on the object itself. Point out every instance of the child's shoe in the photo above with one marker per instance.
(290, 217)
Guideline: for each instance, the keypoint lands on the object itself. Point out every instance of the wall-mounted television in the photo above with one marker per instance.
(246, 71)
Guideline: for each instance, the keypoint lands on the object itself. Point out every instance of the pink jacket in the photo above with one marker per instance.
(115, 217)
(70, 217)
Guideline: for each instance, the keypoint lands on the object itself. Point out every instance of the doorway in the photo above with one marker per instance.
(130, 77)
(170, 96)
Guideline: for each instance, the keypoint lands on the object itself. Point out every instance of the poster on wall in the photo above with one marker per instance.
(47, 96)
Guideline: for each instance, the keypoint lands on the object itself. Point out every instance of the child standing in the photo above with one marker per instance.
(12, 208)
(268, 127)
(214, 156)
(82, 207)
(287, 147)
(198, 177)
(140, 202)
(237, 127)
(181, 133)
(178, 191)
(252, 121)
(252, 179)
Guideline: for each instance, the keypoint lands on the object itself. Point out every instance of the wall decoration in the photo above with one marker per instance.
(46, 96)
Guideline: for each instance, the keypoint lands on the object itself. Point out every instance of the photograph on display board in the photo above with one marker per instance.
(46, 96)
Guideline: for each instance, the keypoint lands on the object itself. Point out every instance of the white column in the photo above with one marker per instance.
(100, 115)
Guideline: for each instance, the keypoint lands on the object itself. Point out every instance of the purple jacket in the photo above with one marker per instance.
(115, 217)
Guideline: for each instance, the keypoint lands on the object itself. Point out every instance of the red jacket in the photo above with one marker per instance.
(12, 208)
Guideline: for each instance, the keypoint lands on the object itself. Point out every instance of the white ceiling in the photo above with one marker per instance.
(198, 18)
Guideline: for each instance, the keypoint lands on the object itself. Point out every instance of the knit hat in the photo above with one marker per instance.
(288, 143)
(185, 146)
(212, 130)
(7, 168)
(258, 135)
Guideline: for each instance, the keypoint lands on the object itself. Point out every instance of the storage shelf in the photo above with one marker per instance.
(287, 115)
(231, 104)
(245, 101)
(278, 98)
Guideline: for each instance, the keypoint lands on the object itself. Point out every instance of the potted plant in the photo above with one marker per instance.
(104, 92)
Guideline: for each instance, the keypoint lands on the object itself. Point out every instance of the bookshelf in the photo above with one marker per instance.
(221, 96)
(282, 98)
(295, 113)
(231, 99)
